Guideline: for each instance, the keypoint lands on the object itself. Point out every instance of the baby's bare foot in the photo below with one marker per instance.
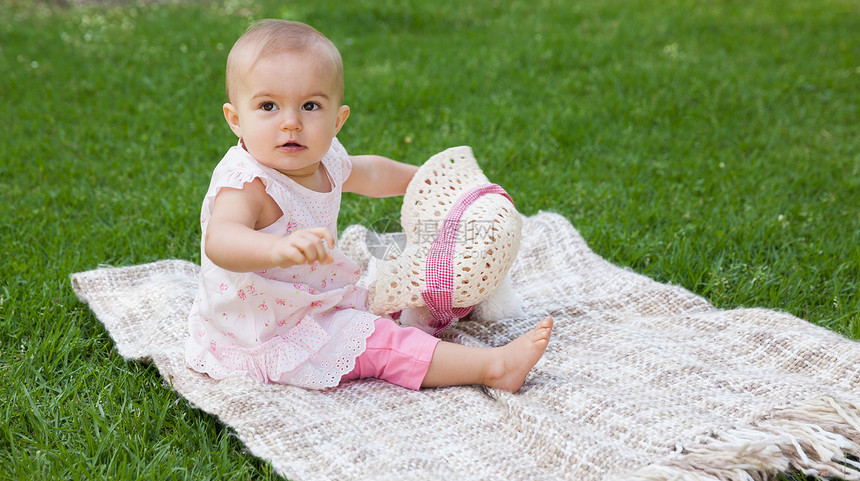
(517, 358)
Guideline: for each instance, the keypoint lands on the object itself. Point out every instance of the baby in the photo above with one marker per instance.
(277, 300)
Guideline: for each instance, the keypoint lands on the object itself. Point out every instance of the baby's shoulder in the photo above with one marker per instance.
(237, 168)
(238, 161)
(337, 161)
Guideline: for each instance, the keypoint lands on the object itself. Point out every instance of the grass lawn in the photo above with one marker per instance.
(710, 144)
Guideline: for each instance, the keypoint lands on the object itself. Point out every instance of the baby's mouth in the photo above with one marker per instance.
(292, 146)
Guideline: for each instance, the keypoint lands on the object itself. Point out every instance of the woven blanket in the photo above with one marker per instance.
(641, 381)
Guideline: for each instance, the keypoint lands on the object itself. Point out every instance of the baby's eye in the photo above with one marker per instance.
(268, 106)
(310, 106)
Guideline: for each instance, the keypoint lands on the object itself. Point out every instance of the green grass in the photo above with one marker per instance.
(712, 145)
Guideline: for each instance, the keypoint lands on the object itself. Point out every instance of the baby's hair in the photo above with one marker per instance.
(271, 37)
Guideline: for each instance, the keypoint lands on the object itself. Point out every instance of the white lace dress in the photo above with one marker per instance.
(302, 326)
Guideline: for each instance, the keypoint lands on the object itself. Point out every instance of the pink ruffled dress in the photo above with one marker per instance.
(302, 326)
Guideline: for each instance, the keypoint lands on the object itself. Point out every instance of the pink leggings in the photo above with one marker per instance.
(399, 355)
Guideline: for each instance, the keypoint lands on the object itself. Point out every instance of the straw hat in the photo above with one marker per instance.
(462, 234)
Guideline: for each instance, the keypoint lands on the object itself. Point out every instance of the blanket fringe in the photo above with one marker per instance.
(813, 437)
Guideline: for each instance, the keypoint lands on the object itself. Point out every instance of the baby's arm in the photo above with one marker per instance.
(233, 243)
(376, 176)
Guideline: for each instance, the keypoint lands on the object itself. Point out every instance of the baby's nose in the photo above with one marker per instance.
(291, 121)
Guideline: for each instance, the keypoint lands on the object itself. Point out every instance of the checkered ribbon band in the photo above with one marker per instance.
(439, 291)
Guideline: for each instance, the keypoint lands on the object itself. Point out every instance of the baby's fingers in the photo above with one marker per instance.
(325, 235)
(314, 245)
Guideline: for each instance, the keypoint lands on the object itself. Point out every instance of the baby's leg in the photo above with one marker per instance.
(399, 355)
(504, 367)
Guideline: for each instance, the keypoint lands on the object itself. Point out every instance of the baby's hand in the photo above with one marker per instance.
(304, 246)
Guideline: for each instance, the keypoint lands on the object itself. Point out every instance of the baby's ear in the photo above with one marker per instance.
(232, 118)
(342, 115)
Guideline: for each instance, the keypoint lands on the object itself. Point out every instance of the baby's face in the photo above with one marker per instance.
(287, 111)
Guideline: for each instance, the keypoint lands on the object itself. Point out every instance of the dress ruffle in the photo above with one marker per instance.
(304, 356)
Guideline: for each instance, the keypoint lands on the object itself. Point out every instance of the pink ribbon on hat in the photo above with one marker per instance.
(439, 291)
